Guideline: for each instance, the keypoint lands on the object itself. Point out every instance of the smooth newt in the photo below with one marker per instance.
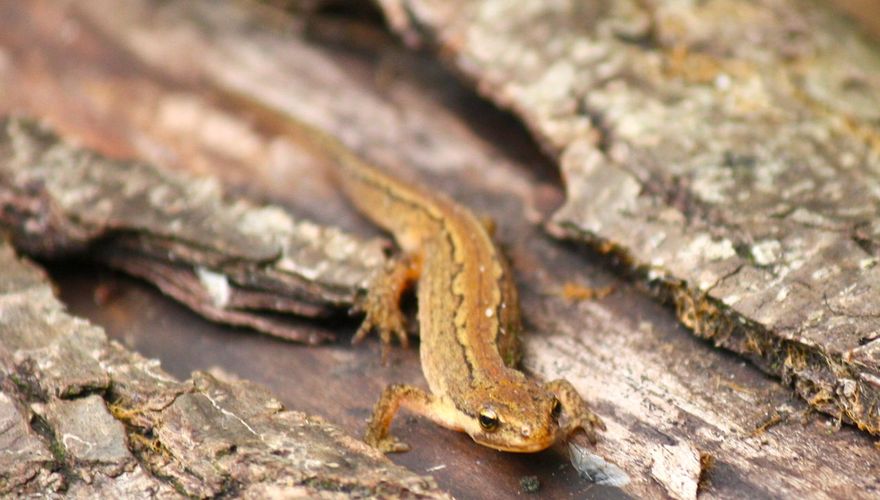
(468, 315)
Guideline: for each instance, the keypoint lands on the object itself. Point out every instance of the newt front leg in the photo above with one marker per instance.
(412, 398)
(382, 304)
(576, 414)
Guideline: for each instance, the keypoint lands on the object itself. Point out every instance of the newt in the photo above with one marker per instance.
(468, 317)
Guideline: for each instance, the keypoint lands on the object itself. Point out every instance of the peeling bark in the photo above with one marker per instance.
(84, 417)
(228, 260)
(657, 387)
(728, 152)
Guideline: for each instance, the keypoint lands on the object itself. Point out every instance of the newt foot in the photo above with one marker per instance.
(576, 413)
(389, 444)
(383, 315)
(382, 304)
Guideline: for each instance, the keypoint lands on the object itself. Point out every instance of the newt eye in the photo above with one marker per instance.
(488, 419)
(556, 410)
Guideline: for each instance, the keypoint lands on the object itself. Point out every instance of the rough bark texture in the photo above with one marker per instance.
(728, 151)
(673, 403)
(227, 260)
(82, 416)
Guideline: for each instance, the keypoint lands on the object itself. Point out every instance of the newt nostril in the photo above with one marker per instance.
(526, 431)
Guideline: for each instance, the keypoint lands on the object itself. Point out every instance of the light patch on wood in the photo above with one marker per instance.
(677, 468)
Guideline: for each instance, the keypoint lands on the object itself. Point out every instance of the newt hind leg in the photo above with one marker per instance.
(382, 303)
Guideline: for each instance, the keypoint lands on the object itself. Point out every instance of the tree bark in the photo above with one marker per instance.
(727, 153)
(228, 260)
(673, 404)
(84, 417)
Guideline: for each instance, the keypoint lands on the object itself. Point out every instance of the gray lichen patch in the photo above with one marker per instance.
(727, 150)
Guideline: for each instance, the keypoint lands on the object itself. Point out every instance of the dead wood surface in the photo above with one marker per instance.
(729, 152)
(228, 260)
(154, 81)
(82, 416)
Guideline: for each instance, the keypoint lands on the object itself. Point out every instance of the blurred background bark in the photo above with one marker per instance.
(203, 88)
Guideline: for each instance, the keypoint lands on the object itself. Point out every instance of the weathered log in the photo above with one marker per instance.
(82, 416)
(228, 260)
(727, 152)
(668, 398)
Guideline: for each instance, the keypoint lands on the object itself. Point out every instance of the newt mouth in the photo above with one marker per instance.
(530, 447)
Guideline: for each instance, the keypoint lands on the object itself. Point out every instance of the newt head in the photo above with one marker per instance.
(514, 415)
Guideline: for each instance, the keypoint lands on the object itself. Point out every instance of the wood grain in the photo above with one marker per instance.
(125, 85)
